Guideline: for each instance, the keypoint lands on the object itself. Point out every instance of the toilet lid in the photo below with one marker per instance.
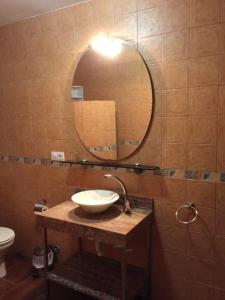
(6, 235)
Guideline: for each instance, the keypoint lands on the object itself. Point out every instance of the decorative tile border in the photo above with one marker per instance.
(102, 148)
(197, 175)
(129, 142)
(170, 172)
(113, 147)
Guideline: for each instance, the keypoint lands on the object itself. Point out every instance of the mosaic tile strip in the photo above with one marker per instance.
(169, 172)
(113, 147)
(102, 148)
(129, 142)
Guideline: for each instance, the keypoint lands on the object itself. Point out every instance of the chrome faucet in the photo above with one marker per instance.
(127, 208)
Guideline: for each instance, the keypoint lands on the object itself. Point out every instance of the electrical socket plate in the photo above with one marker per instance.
(57, 155)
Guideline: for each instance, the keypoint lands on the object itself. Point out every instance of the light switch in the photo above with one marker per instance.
(57, 156)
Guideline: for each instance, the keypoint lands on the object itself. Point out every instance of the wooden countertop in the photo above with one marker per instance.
(113, 226)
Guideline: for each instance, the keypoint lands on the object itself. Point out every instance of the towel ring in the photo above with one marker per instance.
(190, 206)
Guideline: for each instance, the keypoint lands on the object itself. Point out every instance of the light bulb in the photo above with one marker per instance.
(109, 47)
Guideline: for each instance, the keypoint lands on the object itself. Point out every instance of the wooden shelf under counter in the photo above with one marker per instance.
(99, 277)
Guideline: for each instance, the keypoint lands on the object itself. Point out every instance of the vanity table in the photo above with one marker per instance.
(98, 276)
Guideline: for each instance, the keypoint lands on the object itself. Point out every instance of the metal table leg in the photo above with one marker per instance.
(123, 275)
(46, 260)
(46, 249)
(80, 245)
(149, 262)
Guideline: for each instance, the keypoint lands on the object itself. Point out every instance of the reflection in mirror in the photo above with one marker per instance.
(112, 102)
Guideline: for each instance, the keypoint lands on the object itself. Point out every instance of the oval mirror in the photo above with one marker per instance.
(112, 95)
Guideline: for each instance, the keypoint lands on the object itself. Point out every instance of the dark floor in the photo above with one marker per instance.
(19, 284)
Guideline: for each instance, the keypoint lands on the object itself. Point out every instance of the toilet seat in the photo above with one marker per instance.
(6, 235)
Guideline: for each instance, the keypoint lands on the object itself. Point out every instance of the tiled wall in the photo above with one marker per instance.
(183, 42)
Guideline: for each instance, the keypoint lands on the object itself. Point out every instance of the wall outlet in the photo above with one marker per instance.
(57, 155)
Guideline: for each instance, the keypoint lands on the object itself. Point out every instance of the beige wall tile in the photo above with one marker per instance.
(205, 223)
(150, 154)
(220, 249)
(222, 70)
(151, 48)
(155, 135)
(175, 45)
(204, 71)
(174, 189)
(173, 239)
(174, 102)
(220, 194)
(66, 41)
(175, 75)
(205, 41)
(202, 130)
(34, 46)
(201, 291)
(219, 294)
(104, 8)
(82, 16)
(126, 26)
(157, 103)
(203, 101)
(220, 226)
(205, 12)
(153, 189)
(174, 156)
(220, 156)
(157, 75)
(145, 4)
(202, 157)
(124, 6)
(221, 127)
(221, 104)
(222, 46)
(176, 15)
(203, 270)
(48, 22)
(222, 11)
(201, 193)
(200, 245)
(174, 130)
(32, 27)
(149, 22)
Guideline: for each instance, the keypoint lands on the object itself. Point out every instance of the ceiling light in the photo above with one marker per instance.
(109, 47)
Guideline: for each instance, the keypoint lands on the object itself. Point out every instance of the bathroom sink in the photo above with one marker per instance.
(95, 201)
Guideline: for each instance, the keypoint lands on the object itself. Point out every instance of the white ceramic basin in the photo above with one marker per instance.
(95, 201)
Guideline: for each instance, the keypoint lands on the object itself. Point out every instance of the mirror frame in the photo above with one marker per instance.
(140, 146)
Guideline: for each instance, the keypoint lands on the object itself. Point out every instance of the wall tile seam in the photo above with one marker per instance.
(172, 203)
(179, 30)
(189, 144)
(186, 60)
(190, 87)
(210, 262)
(187, 231)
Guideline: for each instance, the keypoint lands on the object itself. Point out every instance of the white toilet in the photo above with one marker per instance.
(7, 237)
